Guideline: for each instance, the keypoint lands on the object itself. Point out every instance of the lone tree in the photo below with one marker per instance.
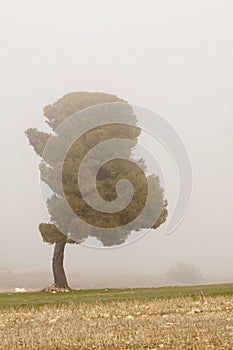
(64, 227)
(185, 273)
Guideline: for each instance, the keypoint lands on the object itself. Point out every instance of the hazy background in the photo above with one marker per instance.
(174, 57)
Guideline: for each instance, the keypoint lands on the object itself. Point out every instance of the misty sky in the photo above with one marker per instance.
(174, 57)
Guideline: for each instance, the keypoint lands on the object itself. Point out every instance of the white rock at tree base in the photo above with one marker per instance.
(20, 290)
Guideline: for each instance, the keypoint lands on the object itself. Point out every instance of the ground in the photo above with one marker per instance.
(197, 318)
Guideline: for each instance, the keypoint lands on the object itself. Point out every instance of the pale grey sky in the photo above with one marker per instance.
(174, 57)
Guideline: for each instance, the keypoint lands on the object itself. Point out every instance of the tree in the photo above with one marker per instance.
(64, 226)
(185, 273)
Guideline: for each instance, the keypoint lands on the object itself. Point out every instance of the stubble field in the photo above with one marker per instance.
(182, 322)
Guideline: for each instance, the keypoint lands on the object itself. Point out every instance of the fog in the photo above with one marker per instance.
(173, 57)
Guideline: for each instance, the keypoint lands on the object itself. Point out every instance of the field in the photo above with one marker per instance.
(178, 318)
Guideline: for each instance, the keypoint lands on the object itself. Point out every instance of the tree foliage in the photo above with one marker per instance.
(63, 225)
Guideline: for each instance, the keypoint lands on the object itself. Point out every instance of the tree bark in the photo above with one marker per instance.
(59, 275)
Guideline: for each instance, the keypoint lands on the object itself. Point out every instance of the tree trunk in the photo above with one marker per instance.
(59, 275)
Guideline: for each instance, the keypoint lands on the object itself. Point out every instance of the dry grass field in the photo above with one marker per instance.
(176, 323)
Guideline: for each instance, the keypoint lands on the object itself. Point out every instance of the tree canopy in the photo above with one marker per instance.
(94, 223)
